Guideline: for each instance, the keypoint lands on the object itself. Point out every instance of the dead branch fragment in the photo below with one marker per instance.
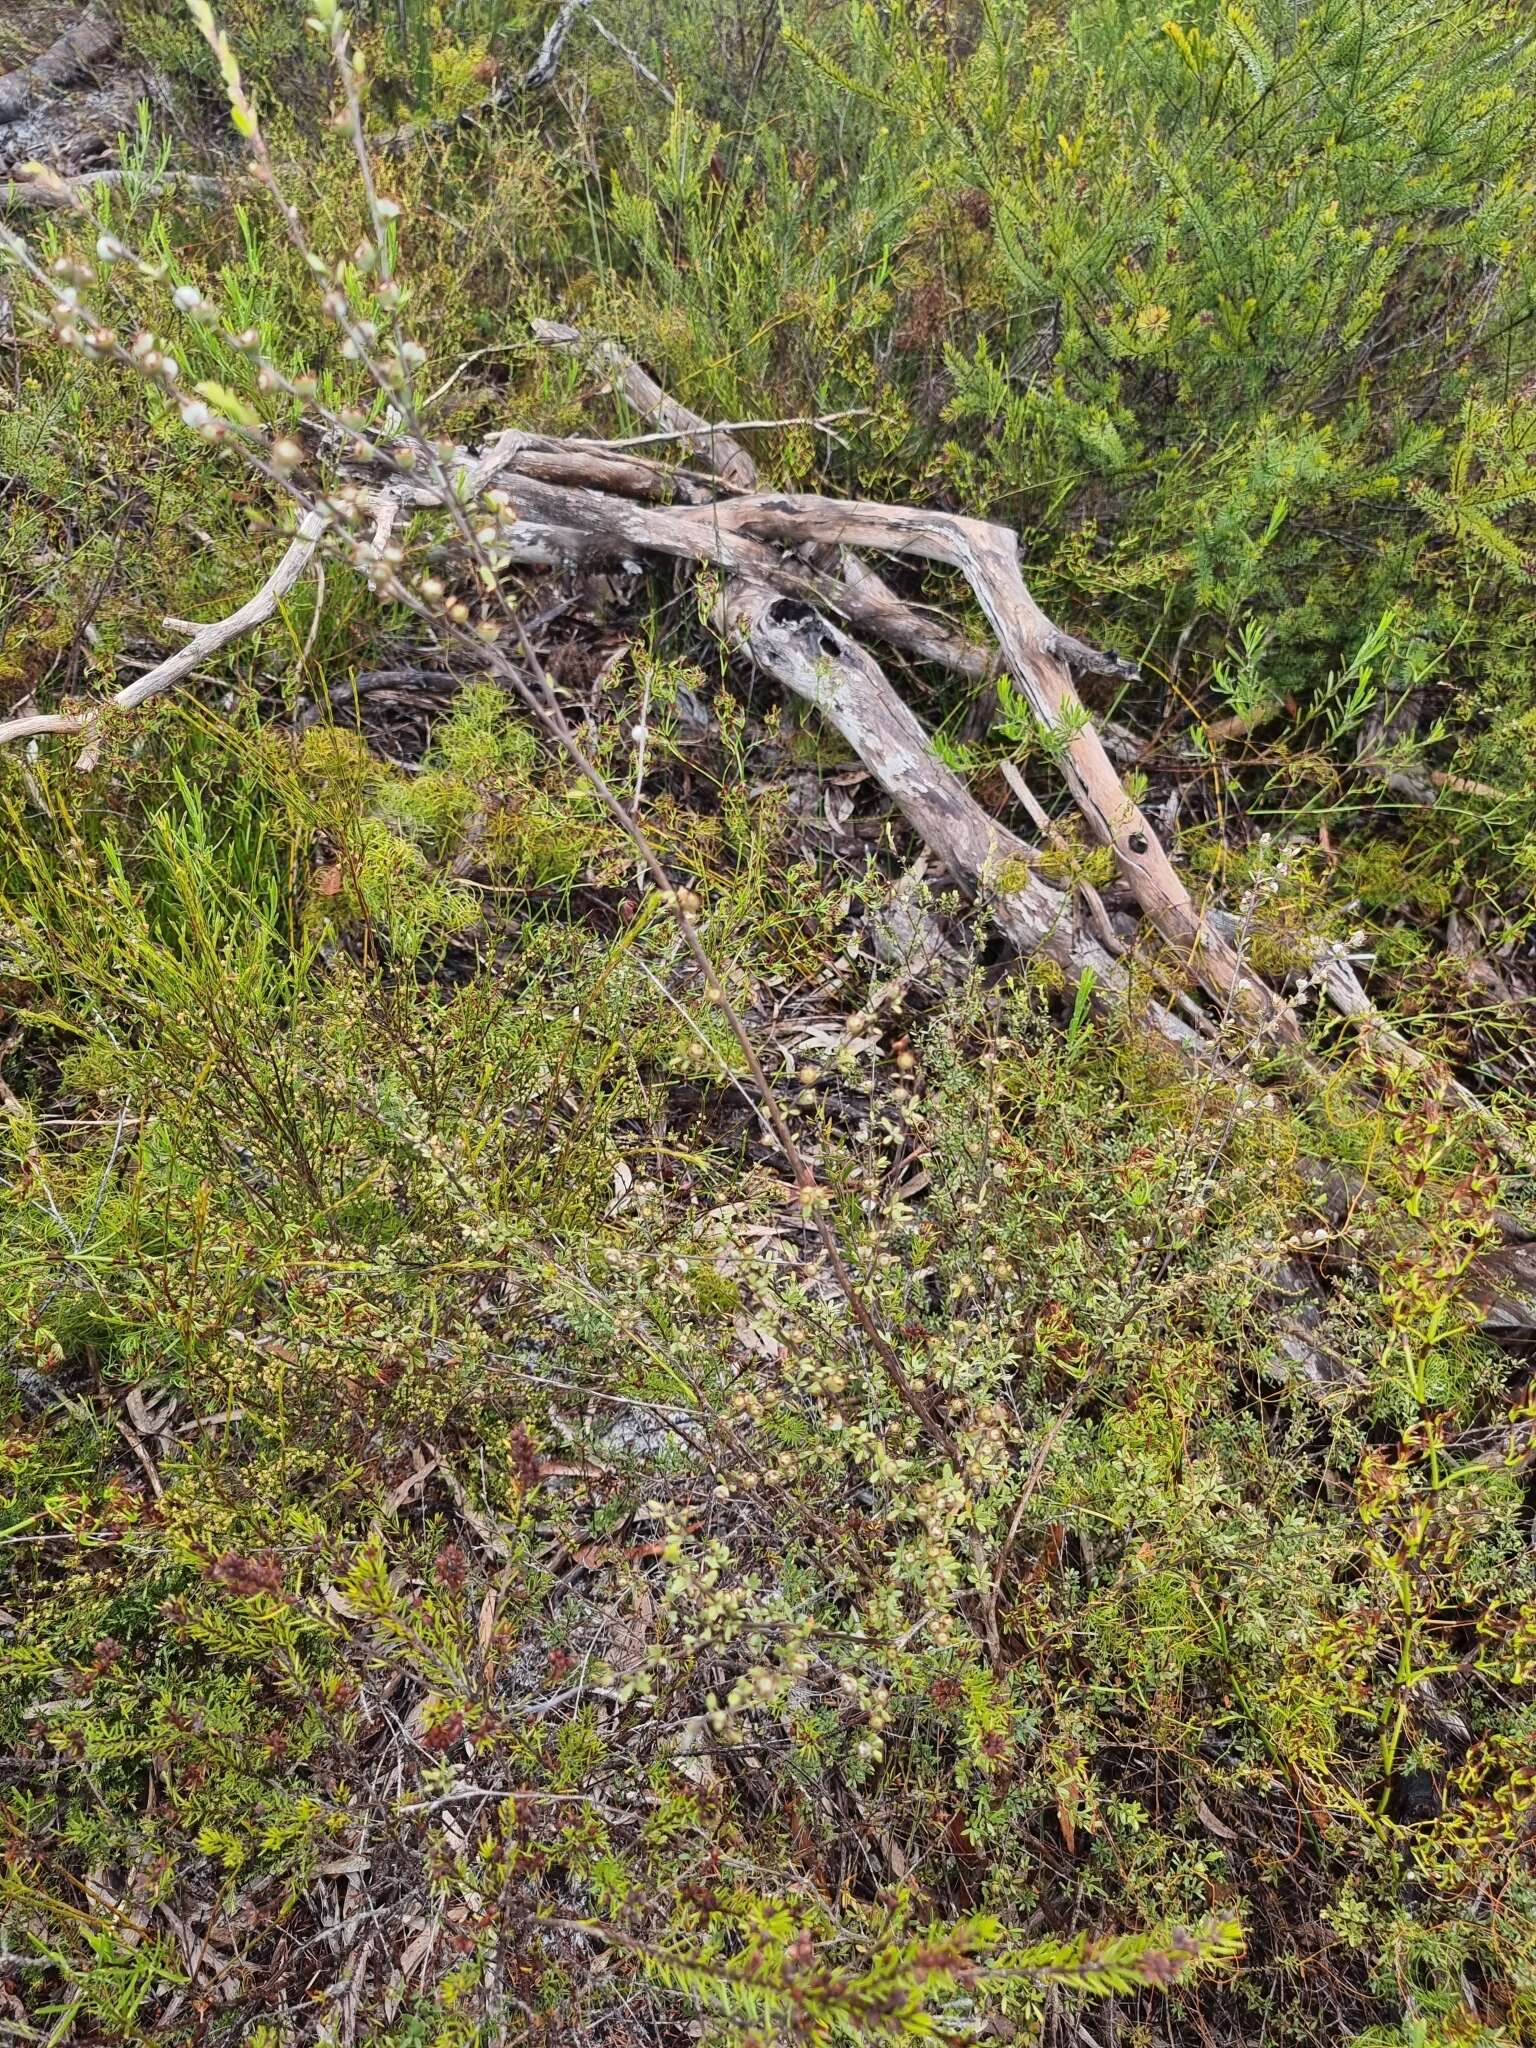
(987, 556)
(67, 60)
(724, 454)
(806, 653)
(25, 192)
(206, 640)
(541, 72)
(1034, 651)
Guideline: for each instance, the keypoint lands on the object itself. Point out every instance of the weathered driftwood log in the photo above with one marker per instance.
(898, 623)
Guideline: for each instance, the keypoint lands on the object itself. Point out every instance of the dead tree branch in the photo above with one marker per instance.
(541, 72)
(804, 652)
(68, 59)
(206, 640)
(54, 194)
(1034, 651)
(723, 453)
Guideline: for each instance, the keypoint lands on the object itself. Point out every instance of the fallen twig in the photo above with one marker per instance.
(1034, 650)
(205, 641)
(640, 69)
(717, 445)
(541, 72)
(987, 556)
(822, 421)
(23, 191)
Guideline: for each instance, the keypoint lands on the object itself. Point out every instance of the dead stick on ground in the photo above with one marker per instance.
(900, 624)
(206, 640)
(808, 655)
(743, 535)
(51, 193)
(68, 59)
(894, 620)
(987, 556)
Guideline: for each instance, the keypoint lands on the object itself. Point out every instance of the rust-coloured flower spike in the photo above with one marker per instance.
(247, 1577)
(524, 1457)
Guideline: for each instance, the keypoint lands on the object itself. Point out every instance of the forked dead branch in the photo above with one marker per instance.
(580, 502)
(796, 582)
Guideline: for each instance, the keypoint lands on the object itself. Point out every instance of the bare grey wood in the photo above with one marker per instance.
(68, 59)
(806, 653)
